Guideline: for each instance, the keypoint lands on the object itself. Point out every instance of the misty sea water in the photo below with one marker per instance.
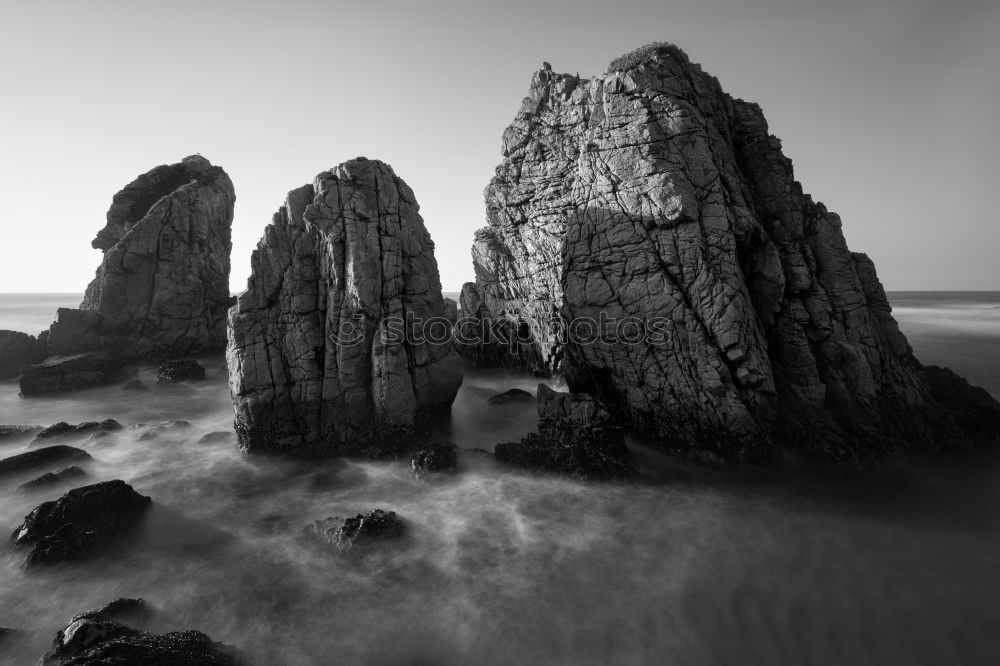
(793, 564)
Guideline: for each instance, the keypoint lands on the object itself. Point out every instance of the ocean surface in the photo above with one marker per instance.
(794, 564)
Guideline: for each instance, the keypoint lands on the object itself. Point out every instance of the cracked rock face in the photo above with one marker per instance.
(316, 362)
(163, 285)
(649, 195)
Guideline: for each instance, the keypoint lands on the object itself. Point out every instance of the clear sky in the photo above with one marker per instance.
(889, 109)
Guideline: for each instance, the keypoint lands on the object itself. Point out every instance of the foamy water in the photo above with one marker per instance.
(793, 564)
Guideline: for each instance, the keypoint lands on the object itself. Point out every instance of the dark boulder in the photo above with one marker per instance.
(220, 436)
(52, 478)
(13, 432)
(576, 436)
(975, 411)
(513, 395)
(80, 522)
(71, 372)
(30, 460)
(179, 371)
(18, 350)
(134, 385)
(362, 530)
(63, 429)
(434, 458)
(101, 637)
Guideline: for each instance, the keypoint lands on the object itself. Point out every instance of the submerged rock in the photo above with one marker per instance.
(49, 455)
(511, 395)
(80, 522)
(179, 371)
(219, 436)
(51, 478)
(575, 436)
(434, 458)
(19, 349)
(338, 344)
(647, 239)
(134, 385)
(104, 636)
(163, 285)
(71, 372)
(361, 530)
(63, 429)
(12, 432)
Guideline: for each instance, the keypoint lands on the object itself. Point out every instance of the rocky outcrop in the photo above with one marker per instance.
(434, 458)
(20, 349)
(647, 239)
(80, 522)
(510, 396)
(106, 636)
(72, 372)
(163, 285)
(363, 530)
(326, 351)
(71, 473)
(63, 429)
(32, 460)
(576, 436)
(179, 371)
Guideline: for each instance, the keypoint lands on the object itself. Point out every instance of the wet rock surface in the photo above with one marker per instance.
(363, 530)
(735, 318)
(316, 363)
(80, 523)
(134, 385)
(106, 636)
(179, 371)
(32, 460)
(15, 432)
(576, 436)
(434, 458)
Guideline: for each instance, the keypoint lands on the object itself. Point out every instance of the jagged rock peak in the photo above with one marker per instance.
(314, 365)
(163, 285)
(647, 194)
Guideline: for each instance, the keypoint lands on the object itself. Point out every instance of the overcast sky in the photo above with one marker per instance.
(889, 109)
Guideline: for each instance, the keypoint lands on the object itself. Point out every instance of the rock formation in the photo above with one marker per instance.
(319, 361)
(28, 461)
(163, 285)
(19, 349)
(434, 458)
(80, 522)
(647, 239)
(367, 529)
(106, 636)
(70, 372)
(576, 436)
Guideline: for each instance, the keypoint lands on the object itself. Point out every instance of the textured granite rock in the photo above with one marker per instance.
(63, 429)
(106, 636)
(316, 363)
(576, 436)
(80, 522)
(20, 349)
(163, 285)
(72, 372)
(728, 314)
(434, 458)
(362, 530)
(179, 371)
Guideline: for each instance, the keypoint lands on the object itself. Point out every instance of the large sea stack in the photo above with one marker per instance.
(162, 289)
(649, 193)
(319, 362)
